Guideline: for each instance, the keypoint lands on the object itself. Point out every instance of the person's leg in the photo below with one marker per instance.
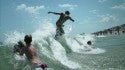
(57, 31)
(61, 30)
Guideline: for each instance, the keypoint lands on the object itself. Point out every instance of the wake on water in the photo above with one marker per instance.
(56, 50)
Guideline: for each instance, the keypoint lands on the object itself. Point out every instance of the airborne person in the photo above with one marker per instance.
(63, 17)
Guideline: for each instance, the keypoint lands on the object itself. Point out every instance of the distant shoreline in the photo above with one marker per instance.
(117, 30)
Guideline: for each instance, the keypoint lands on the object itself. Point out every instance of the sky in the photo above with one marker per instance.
(89, 15)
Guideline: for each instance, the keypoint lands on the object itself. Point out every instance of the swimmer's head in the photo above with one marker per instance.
(89, 43)
(67, 12)
(28, 39)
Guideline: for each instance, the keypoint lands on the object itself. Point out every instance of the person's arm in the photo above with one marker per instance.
(71, 19)
(54, 13)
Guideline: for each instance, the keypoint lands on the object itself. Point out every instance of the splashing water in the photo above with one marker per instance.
(53, 49)
(14, 37)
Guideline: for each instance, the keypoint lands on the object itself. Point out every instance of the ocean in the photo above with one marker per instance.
(67, 53)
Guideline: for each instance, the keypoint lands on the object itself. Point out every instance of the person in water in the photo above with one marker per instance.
(31, 53)
(63, 17)
(90, 44)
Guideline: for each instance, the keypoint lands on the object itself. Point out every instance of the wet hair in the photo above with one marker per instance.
(67, 12)
(89, 42)
(28, 39)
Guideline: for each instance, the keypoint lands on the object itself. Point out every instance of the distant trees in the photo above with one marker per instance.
(117, 28)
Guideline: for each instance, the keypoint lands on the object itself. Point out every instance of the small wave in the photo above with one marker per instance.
(94, 51)
(101, 36)
(60, 54)
(18, 57)
(43, 37)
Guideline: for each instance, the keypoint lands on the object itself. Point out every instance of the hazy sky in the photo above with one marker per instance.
(89, 15)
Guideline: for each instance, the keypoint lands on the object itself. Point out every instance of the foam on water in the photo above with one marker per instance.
(14, 37)
(101, 36)
(60, 54)
(73, 44)
(87, 49)
(18, 57)
(43, 37)
(94, 51)
(46, 40)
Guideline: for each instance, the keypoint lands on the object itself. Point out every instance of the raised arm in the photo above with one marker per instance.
(71, 19)
(54, 13)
